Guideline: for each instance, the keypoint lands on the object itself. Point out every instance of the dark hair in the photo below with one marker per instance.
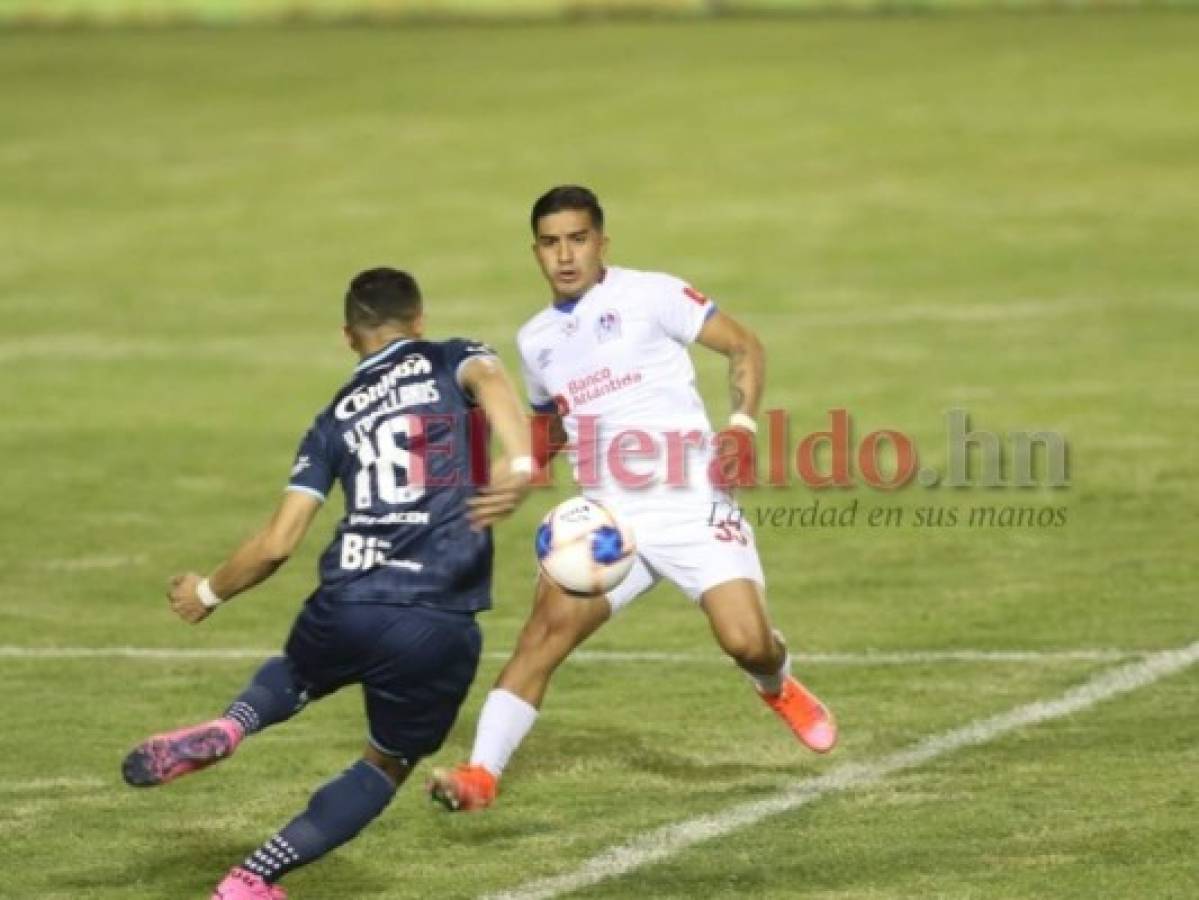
(567, 196)
(382, 295)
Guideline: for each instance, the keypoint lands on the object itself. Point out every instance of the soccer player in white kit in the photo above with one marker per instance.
(608, 362)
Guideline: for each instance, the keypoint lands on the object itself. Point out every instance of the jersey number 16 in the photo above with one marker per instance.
(384, 464)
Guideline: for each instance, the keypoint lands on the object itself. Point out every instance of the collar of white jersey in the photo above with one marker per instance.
(607, 276)
(379, 355)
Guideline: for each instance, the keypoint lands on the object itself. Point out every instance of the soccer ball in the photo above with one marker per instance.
(584, 548)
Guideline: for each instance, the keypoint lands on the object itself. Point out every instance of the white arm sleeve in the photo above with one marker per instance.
(680, 309)
(539, 397)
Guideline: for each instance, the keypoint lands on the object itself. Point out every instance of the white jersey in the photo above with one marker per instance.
(614, 362)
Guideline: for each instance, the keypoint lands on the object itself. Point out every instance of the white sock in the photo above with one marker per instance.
(503, 724)
(773, 684)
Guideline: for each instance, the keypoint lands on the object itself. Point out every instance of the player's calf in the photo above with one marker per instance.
(558, 624)
(336, 813)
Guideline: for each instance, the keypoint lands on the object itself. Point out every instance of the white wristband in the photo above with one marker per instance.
(522, 464)
(207, 596)
(741, 420)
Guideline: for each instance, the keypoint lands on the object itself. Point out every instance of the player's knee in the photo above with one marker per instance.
(395, 768)
(748, 648)
(278, 674)
(551, 633)
(277, 683)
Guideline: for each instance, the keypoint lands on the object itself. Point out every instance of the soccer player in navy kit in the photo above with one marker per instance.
(400, 583)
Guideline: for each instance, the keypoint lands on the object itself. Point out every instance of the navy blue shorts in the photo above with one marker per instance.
(415, 665)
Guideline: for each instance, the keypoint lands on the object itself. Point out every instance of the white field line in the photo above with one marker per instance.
(662, 843)
(87, 563)
(864, 658)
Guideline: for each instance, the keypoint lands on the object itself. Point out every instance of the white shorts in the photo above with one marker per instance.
(690, 547)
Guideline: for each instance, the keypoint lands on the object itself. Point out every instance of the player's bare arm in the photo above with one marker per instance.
(747, 361)
(256, 559)
(493, 390)
(747, 379)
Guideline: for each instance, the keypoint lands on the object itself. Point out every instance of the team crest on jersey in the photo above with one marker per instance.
(544, 357)
(607, 326)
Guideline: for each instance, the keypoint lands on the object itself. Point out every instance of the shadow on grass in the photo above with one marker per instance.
(631, 751)
(190, 865)
(566, 773)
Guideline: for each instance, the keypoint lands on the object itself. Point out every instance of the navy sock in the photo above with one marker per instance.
(273, 695)
(337, 811)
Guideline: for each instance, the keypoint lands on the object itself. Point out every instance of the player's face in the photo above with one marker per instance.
(570, 251)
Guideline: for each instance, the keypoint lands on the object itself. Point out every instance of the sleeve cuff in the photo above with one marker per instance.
(471, 358)
(708, 313)
(304, 489)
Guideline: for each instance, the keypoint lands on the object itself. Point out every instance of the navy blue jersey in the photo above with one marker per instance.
(408, 446)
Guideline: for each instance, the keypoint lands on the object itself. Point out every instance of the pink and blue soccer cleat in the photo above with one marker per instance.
(241, 884)
(168, 756)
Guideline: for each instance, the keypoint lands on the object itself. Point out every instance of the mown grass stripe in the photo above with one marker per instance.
(663, 843)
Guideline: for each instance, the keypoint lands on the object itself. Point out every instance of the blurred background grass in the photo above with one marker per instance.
(115, 12)
(916, 213)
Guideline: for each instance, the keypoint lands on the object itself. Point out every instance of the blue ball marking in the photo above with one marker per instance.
(544, 540)
(606, 545)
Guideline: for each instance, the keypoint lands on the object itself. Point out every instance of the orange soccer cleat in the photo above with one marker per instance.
(804, 714)
(464, 788)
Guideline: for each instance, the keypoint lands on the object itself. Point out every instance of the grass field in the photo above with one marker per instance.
(992, 212)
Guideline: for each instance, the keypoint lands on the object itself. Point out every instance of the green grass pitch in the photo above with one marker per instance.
(992, 212)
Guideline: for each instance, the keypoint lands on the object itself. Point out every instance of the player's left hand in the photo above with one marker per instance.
(184, 599)
(498, 499)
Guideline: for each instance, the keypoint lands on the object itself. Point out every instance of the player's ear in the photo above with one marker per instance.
(351, 338)
(418, 326)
